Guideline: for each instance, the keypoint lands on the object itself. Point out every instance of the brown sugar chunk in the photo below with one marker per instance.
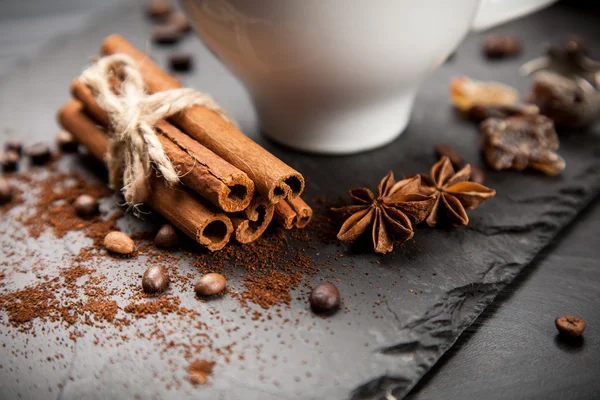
(521, 142)
(563, 100)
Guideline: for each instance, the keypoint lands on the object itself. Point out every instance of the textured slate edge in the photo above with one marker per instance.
(441, 326)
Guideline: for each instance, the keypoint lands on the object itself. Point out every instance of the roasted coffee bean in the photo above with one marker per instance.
(66, 141)
(166, 34)
(14, 145)
(118, 242)
(86, 206)
(179, 20)
(9, 160)
(570, 325)
(497, 46)
(5, 191)
(159, 9)
(39, 153)
(477, 175)
(442, 150)
(324, 298)
(181, 62)
(155, 279)
(166, 237)
(210, 284)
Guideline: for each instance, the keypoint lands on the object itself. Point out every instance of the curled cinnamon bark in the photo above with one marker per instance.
(200, 169)
(250, 224)
(273, 179)
(193, 216)
(293, 213)
(285, 215)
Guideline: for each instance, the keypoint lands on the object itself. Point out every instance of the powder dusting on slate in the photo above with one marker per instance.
(78, 294)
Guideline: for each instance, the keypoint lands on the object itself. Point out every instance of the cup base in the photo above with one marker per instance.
(337, 131)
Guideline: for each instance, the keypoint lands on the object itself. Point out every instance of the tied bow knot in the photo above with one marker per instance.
(133, 114)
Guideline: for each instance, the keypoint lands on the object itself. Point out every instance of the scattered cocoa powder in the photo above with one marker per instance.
(42, 301)
(271, 288)
(164, 305)
(54, 205)
(78, 294)
(198, 371)
(17, 199)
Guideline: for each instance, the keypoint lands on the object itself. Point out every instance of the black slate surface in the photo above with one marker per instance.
(513, 350)
(358, 355)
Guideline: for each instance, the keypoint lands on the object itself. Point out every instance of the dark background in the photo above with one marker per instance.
(512, 350)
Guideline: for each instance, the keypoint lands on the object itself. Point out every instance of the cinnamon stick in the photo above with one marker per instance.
(293, 213)
(197, 219)
(273, 179)
(303, 211)
(250, 224)
(284, 214)
(200, 169)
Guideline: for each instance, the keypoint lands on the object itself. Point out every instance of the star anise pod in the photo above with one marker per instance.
(390, 216)
(452, 193)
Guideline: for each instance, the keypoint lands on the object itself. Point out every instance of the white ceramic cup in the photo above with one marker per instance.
(339, 76)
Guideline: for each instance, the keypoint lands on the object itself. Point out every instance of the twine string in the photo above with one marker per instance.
(118, 87)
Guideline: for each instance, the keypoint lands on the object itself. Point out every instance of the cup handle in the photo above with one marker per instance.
(494, 12)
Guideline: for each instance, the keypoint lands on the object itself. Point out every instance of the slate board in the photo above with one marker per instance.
(388, 337)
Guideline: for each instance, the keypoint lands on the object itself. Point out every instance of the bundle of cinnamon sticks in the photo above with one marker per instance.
(229, 185)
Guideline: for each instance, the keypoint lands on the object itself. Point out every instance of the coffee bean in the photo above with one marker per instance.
(5, 191)
(324, 298)
(118, 242)
(39, 153)
(181, 62)
(166, 237)
(442, 150)
(179, 20)
(155, 279)
(497, 46)
(477, 175)
(66, 141)
(210, 284)
(86, 206)
(166, 34)
(159, 9)
(14, 145)
(9, 160)
(570, 325)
